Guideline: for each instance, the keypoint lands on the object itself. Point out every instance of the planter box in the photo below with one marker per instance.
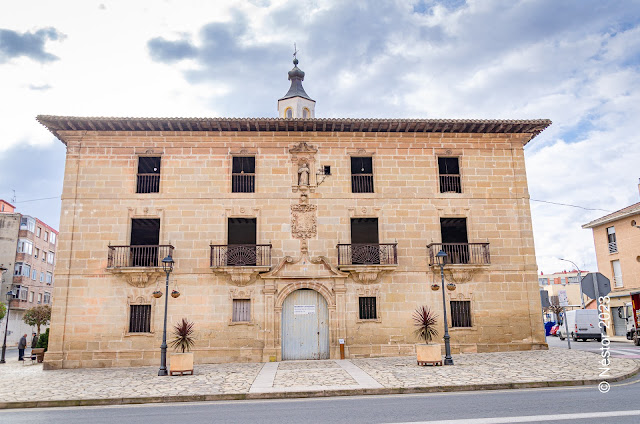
(429, 354)
(181, 363)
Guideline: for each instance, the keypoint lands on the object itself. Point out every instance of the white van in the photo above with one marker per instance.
(583, 325)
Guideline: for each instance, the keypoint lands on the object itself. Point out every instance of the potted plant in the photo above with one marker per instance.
(427, 353)
(182, 362)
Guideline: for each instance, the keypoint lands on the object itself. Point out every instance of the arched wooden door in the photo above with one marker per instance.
(305, 326)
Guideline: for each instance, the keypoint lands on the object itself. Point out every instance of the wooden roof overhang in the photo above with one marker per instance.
(56, 124)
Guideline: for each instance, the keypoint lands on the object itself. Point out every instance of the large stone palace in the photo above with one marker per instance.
(291, 235)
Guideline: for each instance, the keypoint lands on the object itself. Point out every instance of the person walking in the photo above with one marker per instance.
(22, 344)
(34, 341)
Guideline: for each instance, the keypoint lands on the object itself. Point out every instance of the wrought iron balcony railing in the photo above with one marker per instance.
(362, 183)
(450, 184)
(613, 247)
(148, 183)
(243, 183)
(460, 253)
(240, 255)
(368, 254)
(138, 256)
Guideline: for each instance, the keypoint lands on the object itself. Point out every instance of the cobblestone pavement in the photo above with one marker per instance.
(30, 383)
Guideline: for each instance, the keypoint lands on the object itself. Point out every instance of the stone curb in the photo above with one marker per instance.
(309, 394)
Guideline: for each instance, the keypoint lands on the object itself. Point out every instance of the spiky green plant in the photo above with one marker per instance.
(183, 336)
(425, 320)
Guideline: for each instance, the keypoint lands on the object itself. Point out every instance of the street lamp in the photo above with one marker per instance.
(167, 265)
(579, 280)
(441, 257)
(6, 326)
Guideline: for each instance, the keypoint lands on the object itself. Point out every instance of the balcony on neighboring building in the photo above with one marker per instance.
(242, 262)
(460, 253)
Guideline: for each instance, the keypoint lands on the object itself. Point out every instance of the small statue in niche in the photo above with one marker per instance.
(303, 174)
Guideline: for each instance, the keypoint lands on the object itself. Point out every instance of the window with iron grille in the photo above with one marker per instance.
(460, 313)
(449, 175)
(361, 175)
(148, 175)
(368, 308)
(139, 318)
(241, 310)
(243, 174)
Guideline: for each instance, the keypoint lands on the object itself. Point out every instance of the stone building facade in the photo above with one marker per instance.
(27, 251)
(291, 235)
(616, 237)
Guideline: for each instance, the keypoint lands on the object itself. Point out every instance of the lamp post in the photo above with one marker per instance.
(6, 326)
(167, 265)
(441, 256)
(579, 280)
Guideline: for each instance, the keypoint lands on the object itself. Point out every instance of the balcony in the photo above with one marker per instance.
(140, 265)
(243, 183)
(460, 253)
(450, 184)
(613, 247)
(362, 183)
(148, 183)
(367, 262)
(241, 262)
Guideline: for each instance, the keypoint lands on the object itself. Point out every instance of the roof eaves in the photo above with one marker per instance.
(614, 216)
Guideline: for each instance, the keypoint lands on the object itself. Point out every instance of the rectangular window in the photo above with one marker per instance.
(139, 318)
(21, 292)
(36, 252)
(455, 241)
(617, 273)
(50, 257)
(145, 241)
(42, 277)
(22, 269)
(148, 175)
(46, 236)
(361, 174)
(243, 174)
(563, 281)
(365, 247)
(368, 308)
(449, 175)
(241, 310)
(52, 238)
(460, 313)
(34, 275)
(611, 239)
(31, 297)
(241, 242)
(25, 246)
(38, 231)
(47, 298)
(49, 278)
(39, 297)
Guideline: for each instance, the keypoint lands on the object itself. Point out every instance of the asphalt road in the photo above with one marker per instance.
(617, 349)
(581, 404)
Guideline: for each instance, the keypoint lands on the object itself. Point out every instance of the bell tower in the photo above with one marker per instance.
(296, 103)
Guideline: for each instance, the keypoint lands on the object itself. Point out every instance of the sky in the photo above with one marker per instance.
(574, 62)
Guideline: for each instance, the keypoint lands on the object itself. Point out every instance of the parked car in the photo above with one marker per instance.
(583, 324)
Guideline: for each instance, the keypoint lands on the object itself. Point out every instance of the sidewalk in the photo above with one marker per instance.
(30, 386)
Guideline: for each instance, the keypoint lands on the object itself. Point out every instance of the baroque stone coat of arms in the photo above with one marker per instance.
(303, 221)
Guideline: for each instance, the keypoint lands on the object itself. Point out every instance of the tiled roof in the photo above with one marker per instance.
(55, 124)
(622, 213)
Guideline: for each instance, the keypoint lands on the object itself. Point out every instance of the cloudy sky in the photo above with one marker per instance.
(574, 62)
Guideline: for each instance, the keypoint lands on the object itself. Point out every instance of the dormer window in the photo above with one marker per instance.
(288, 113)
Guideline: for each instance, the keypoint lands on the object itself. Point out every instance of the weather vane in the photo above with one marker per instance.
(295, 51)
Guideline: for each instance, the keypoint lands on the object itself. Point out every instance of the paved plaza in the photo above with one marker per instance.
(28, 385)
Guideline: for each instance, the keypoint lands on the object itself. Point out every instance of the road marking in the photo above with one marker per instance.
(534, 418)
